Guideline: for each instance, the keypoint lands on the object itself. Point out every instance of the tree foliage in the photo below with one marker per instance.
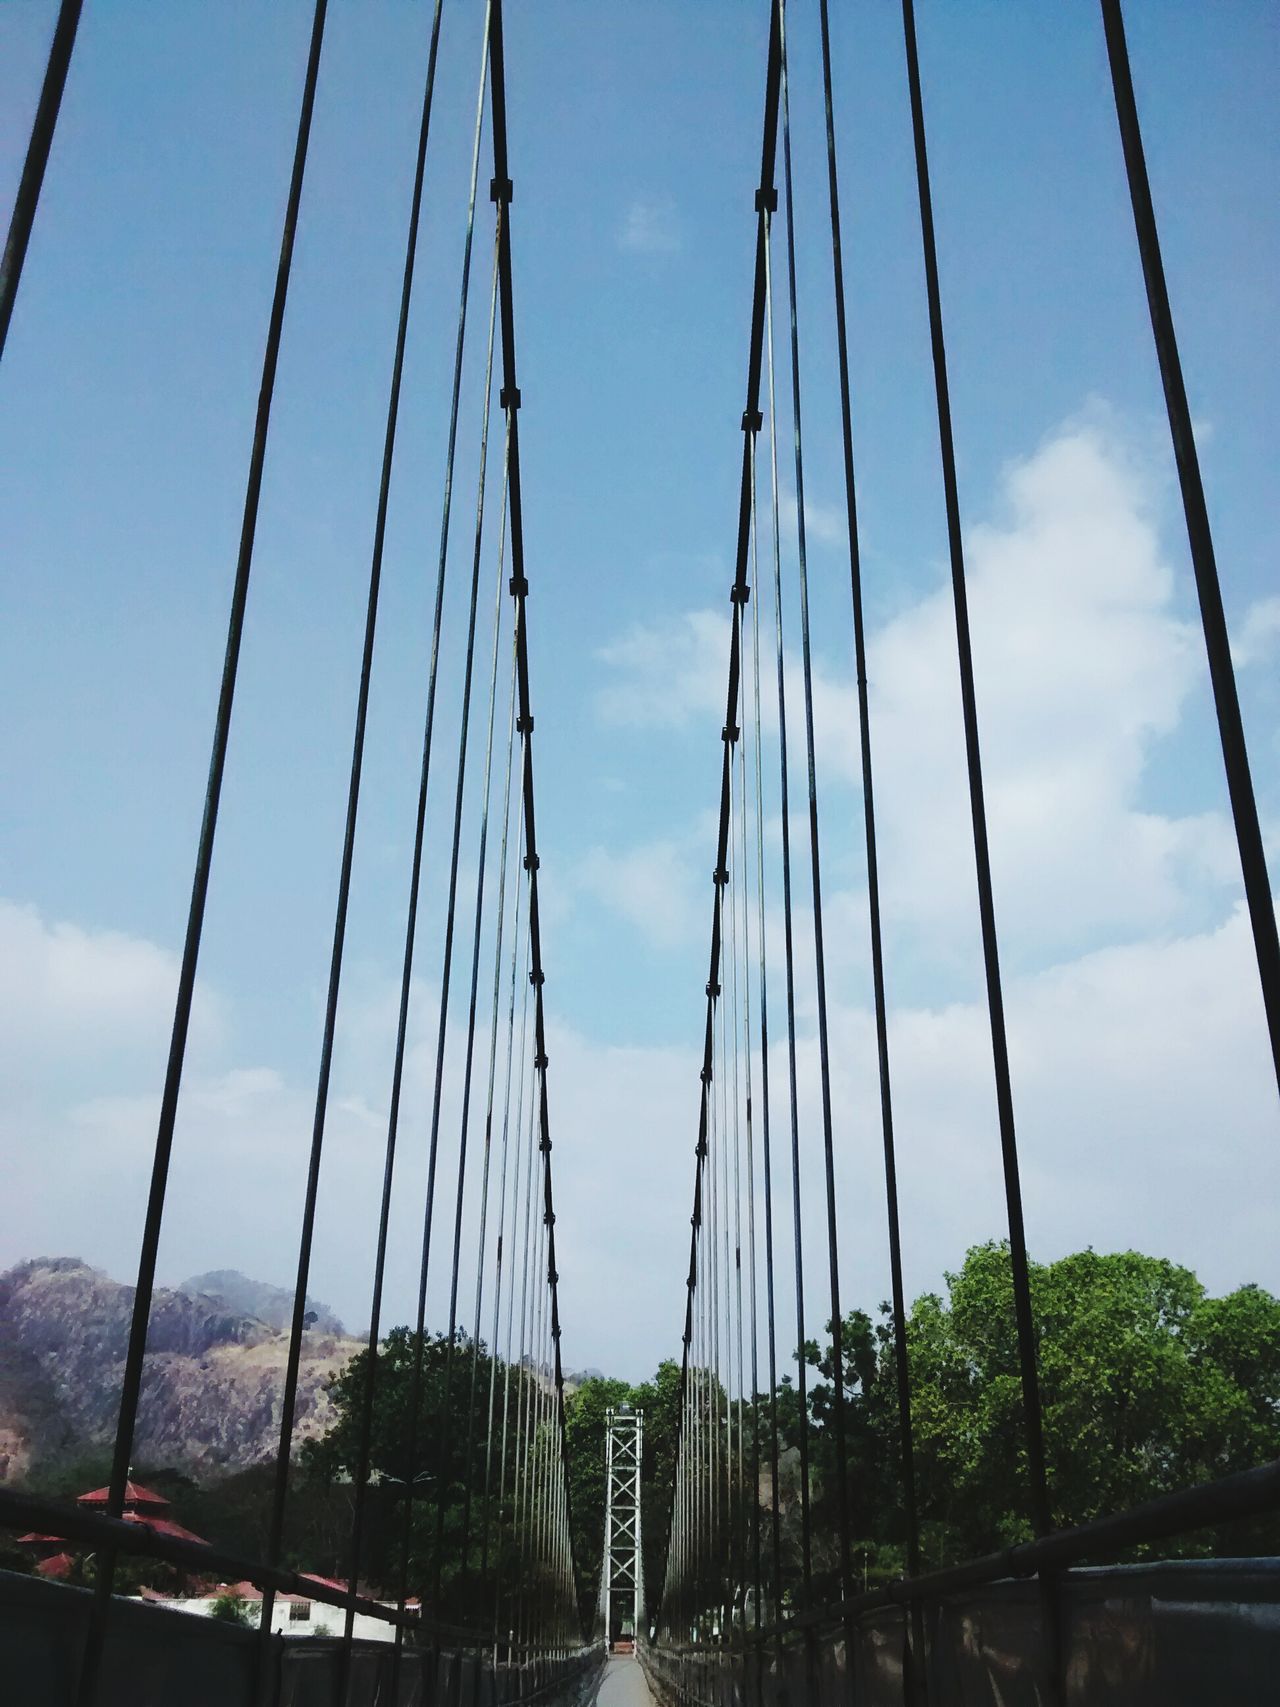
(1148, 1385)
(433, 1461)
(232, 1608)
(659, 1401)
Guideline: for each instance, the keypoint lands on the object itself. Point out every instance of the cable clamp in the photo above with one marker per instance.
(537, 978)
(740, 593)
(509, 397)
(524, 725)
(705, 1075)
(730, 733)
(540, 1061)
(519, 587)
(767, 199)
(713, 990)
(502, 191)
(752, 420)
(531, 861)
(720, 876)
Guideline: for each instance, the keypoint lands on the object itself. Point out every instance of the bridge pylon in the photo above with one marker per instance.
(622, 1569)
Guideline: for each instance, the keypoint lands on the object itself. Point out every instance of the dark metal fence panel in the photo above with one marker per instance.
(1191, 1633)
(154, 1657)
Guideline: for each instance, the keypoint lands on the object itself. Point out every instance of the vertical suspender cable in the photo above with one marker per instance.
(361, 1467)
(517, 1196)
(742, 956)
(740, 1478)
(766, 1152)
(288, 1402)
(502, 192)
(37, 158)
(502, 1263)
(766, 197)
(415, 1384)
(1235, 755)
(145, 1282)
(869, 823)
(1038, 1488)
(482, 1233)
(820, 965)
(445, 1424)
(797, 1227)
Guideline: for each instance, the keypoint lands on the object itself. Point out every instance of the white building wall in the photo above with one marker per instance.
(292, 1617)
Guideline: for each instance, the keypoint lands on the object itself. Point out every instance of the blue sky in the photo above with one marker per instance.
(128, 390)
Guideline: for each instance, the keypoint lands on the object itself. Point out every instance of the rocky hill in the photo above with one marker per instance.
(270, 1304)
(212, 1382)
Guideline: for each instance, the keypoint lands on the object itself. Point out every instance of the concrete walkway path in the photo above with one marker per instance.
(623, 1684)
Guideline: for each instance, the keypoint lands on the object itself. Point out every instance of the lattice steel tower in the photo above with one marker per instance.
(622, 1576)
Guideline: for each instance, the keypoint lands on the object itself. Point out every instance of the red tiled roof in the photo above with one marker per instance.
(165, 1526)
(158, 1525)
(134, 1494)
(59, 1565)
(311, 1577)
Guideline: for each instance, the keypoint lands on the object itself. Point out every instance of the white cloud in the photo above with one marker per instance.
(1141, 1077)
(95, 992)
(650, 885)
(1258, 635)
(669, 674)
(828, 524)
(650, 226)
(1084, 664)
(1141, 1081)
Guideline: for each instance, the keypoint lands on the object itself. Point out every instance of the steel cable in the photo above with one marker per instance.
(797, 1228)
(444, 1430)
(419, 1343)
(869, 823)
(37, 159)
(131, 1384)
(1235, 753)
(1038, 1489)
(482, 1233)
(819, 948)
(766, 1155)
(764, 200)
(502, 1267)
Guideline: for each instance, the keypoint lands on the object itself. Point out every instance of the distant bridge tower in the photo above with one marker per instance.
(622, 1576)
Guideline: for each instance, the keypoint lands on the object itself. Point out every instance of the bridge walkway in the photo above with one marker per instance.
(623, 1684)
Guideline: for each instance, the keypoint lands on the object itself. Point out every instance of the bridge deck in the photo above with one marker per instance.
(623, 1684)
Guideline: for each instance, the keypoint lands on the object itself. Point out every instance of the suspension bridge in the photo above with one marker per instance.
(753, 1593)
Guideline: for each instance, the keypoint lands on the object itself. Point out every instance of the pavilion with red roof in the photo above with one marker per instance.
(141, 1506)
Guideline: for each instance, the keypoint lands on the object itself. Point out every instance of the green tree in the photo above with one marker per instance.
(231, 1608)
(659, 1400)
(1147, 1385)
(435, 1461)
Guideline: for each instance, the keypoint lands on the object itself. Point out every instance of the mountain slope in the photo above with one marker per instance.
(211, 1385)
(270, 1304)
